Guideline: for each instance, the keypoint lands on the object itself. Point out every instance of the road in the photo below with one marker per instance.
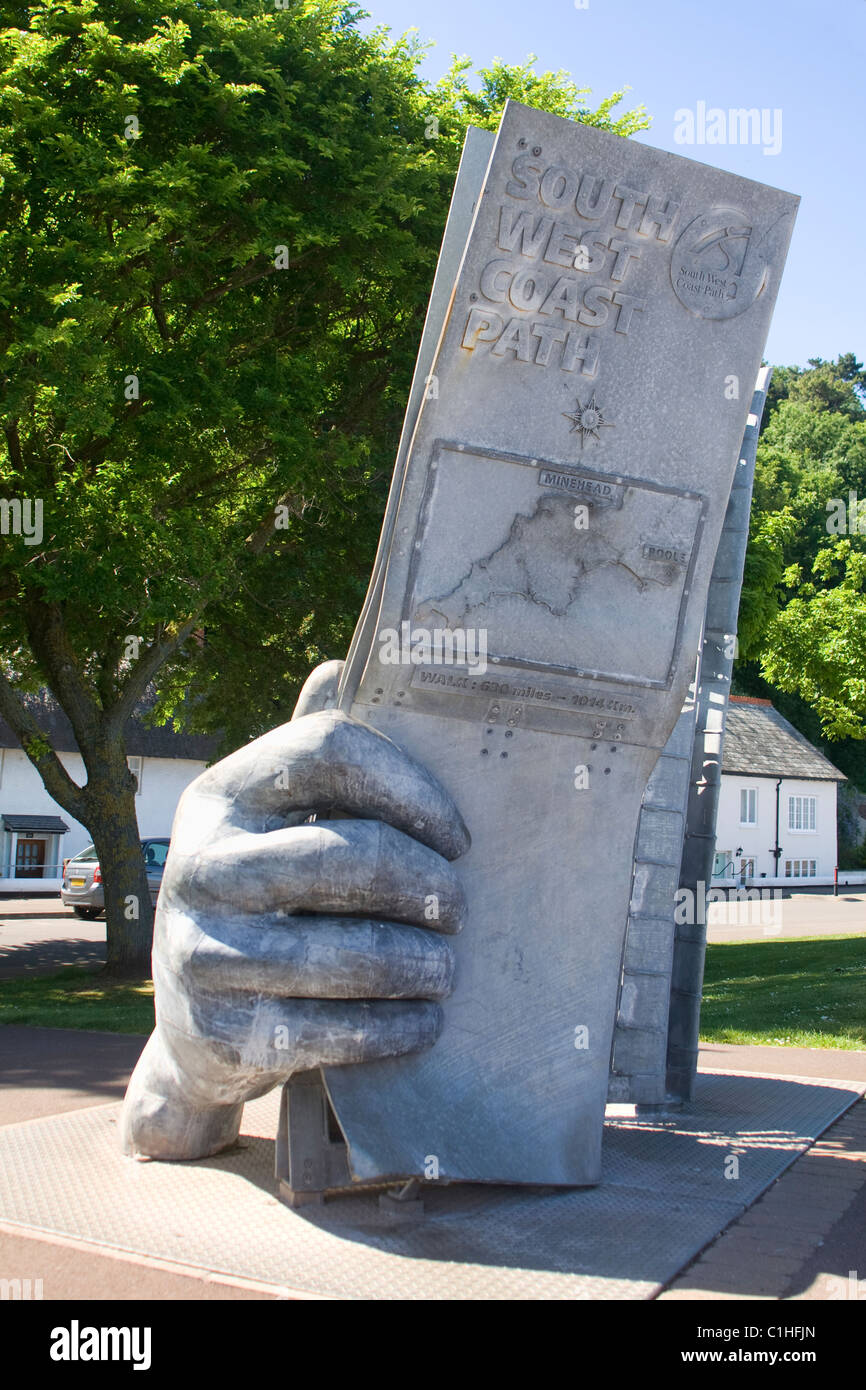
(39, 934)
(803, 914)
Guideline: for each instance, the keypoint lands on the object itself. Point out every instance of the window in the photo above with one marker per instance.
(155, 852)
(800, 868)
(749, 806)
(802, 812)
(747, 869)
(722, 863)
(134, 765)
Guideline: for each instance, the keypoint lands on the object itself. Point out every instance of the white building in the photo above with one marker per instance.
(36, 834)
(777, 801)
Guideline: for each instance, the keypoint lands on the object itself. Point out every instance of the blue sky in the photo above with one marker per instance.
(804, 59)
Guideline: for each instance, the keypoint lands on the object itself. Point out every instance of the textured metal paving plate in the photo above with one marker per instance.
(664, 1196)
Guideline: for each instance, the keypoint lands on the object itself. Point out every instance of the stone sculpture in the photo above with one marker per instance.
(560, 493)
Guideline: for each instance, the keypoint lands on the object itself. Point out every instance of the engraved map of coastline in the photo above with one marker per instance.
(591, 579)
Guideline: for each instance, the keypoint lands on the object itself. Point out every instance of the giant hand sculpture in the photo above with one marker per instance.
(283, 943)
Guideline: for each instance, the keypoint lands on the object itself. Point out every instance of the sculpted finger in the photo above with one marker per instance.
(365, 868)
(318, 958)
(163, 1118)
(258, 1040)
(319, 690)
(328, 762)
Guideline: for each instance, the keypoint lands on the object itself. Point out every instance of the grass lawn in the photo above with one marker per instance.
(77, 998)
(808, 992)
(805, 992)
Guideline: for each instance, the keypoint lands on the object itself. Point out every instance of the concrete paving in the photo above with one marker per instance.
(816, 1226)
(836, 1268)
(665, 1194)
(69, 1270)
(52, 1071)
(49, 1071)
(804, 1239)
(38, 936)
(831, 1062)
(802, 914)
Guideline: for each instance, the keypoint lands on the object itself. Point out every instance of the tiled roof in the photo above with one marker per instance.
(54, 825)
(165, 742)
(759, 742)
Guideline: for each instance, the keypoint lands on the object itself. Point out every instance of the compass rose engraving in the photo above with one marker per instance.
(588, 420)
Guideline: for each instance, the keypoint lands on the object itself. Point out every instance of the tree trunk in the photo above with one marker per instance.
(112, 821)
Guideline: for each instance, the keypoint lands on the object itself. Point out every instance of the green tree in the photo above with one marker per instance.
(219, 223)
(460, 103)
(838, 385)
(816, 644)
(803, 610)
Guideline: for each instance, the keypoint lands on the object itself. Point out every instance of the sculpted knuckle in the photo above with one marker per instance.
(175, 890)
(337, 738)
(176, 936)
(315, 729)
(212, 778)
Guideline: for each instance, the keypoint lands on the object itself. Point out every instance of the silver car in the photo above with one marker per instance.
(81, 888)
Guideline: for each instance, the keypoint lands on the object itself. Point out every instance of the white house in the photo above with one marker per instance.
(36, 834)
(777, 801)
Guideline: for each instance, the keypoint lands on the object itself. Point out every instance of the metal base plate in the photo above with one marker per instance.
(663, 1197)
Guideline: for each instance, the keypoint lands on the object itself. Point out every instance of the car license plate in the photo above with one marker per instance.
(76, 883)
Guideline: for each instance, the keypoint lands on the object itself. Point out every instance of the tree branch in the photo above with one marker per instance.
(155, 655)
(49, 642)
(56, 779)
(257, 541)
(101, 440)
(143, 672)
(245, 275)
(159, 312)
(14, 445)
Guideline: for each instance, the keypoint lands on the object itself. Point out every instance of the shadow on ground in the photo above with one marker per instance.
(97, 1064)
(47, 956)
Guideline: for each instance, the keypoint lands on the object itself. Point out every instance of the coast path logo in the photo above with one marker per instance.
(588, 420)
(720, 265)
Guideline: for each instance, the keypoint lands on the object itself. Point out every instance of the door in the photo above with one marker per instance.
(30, 859)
